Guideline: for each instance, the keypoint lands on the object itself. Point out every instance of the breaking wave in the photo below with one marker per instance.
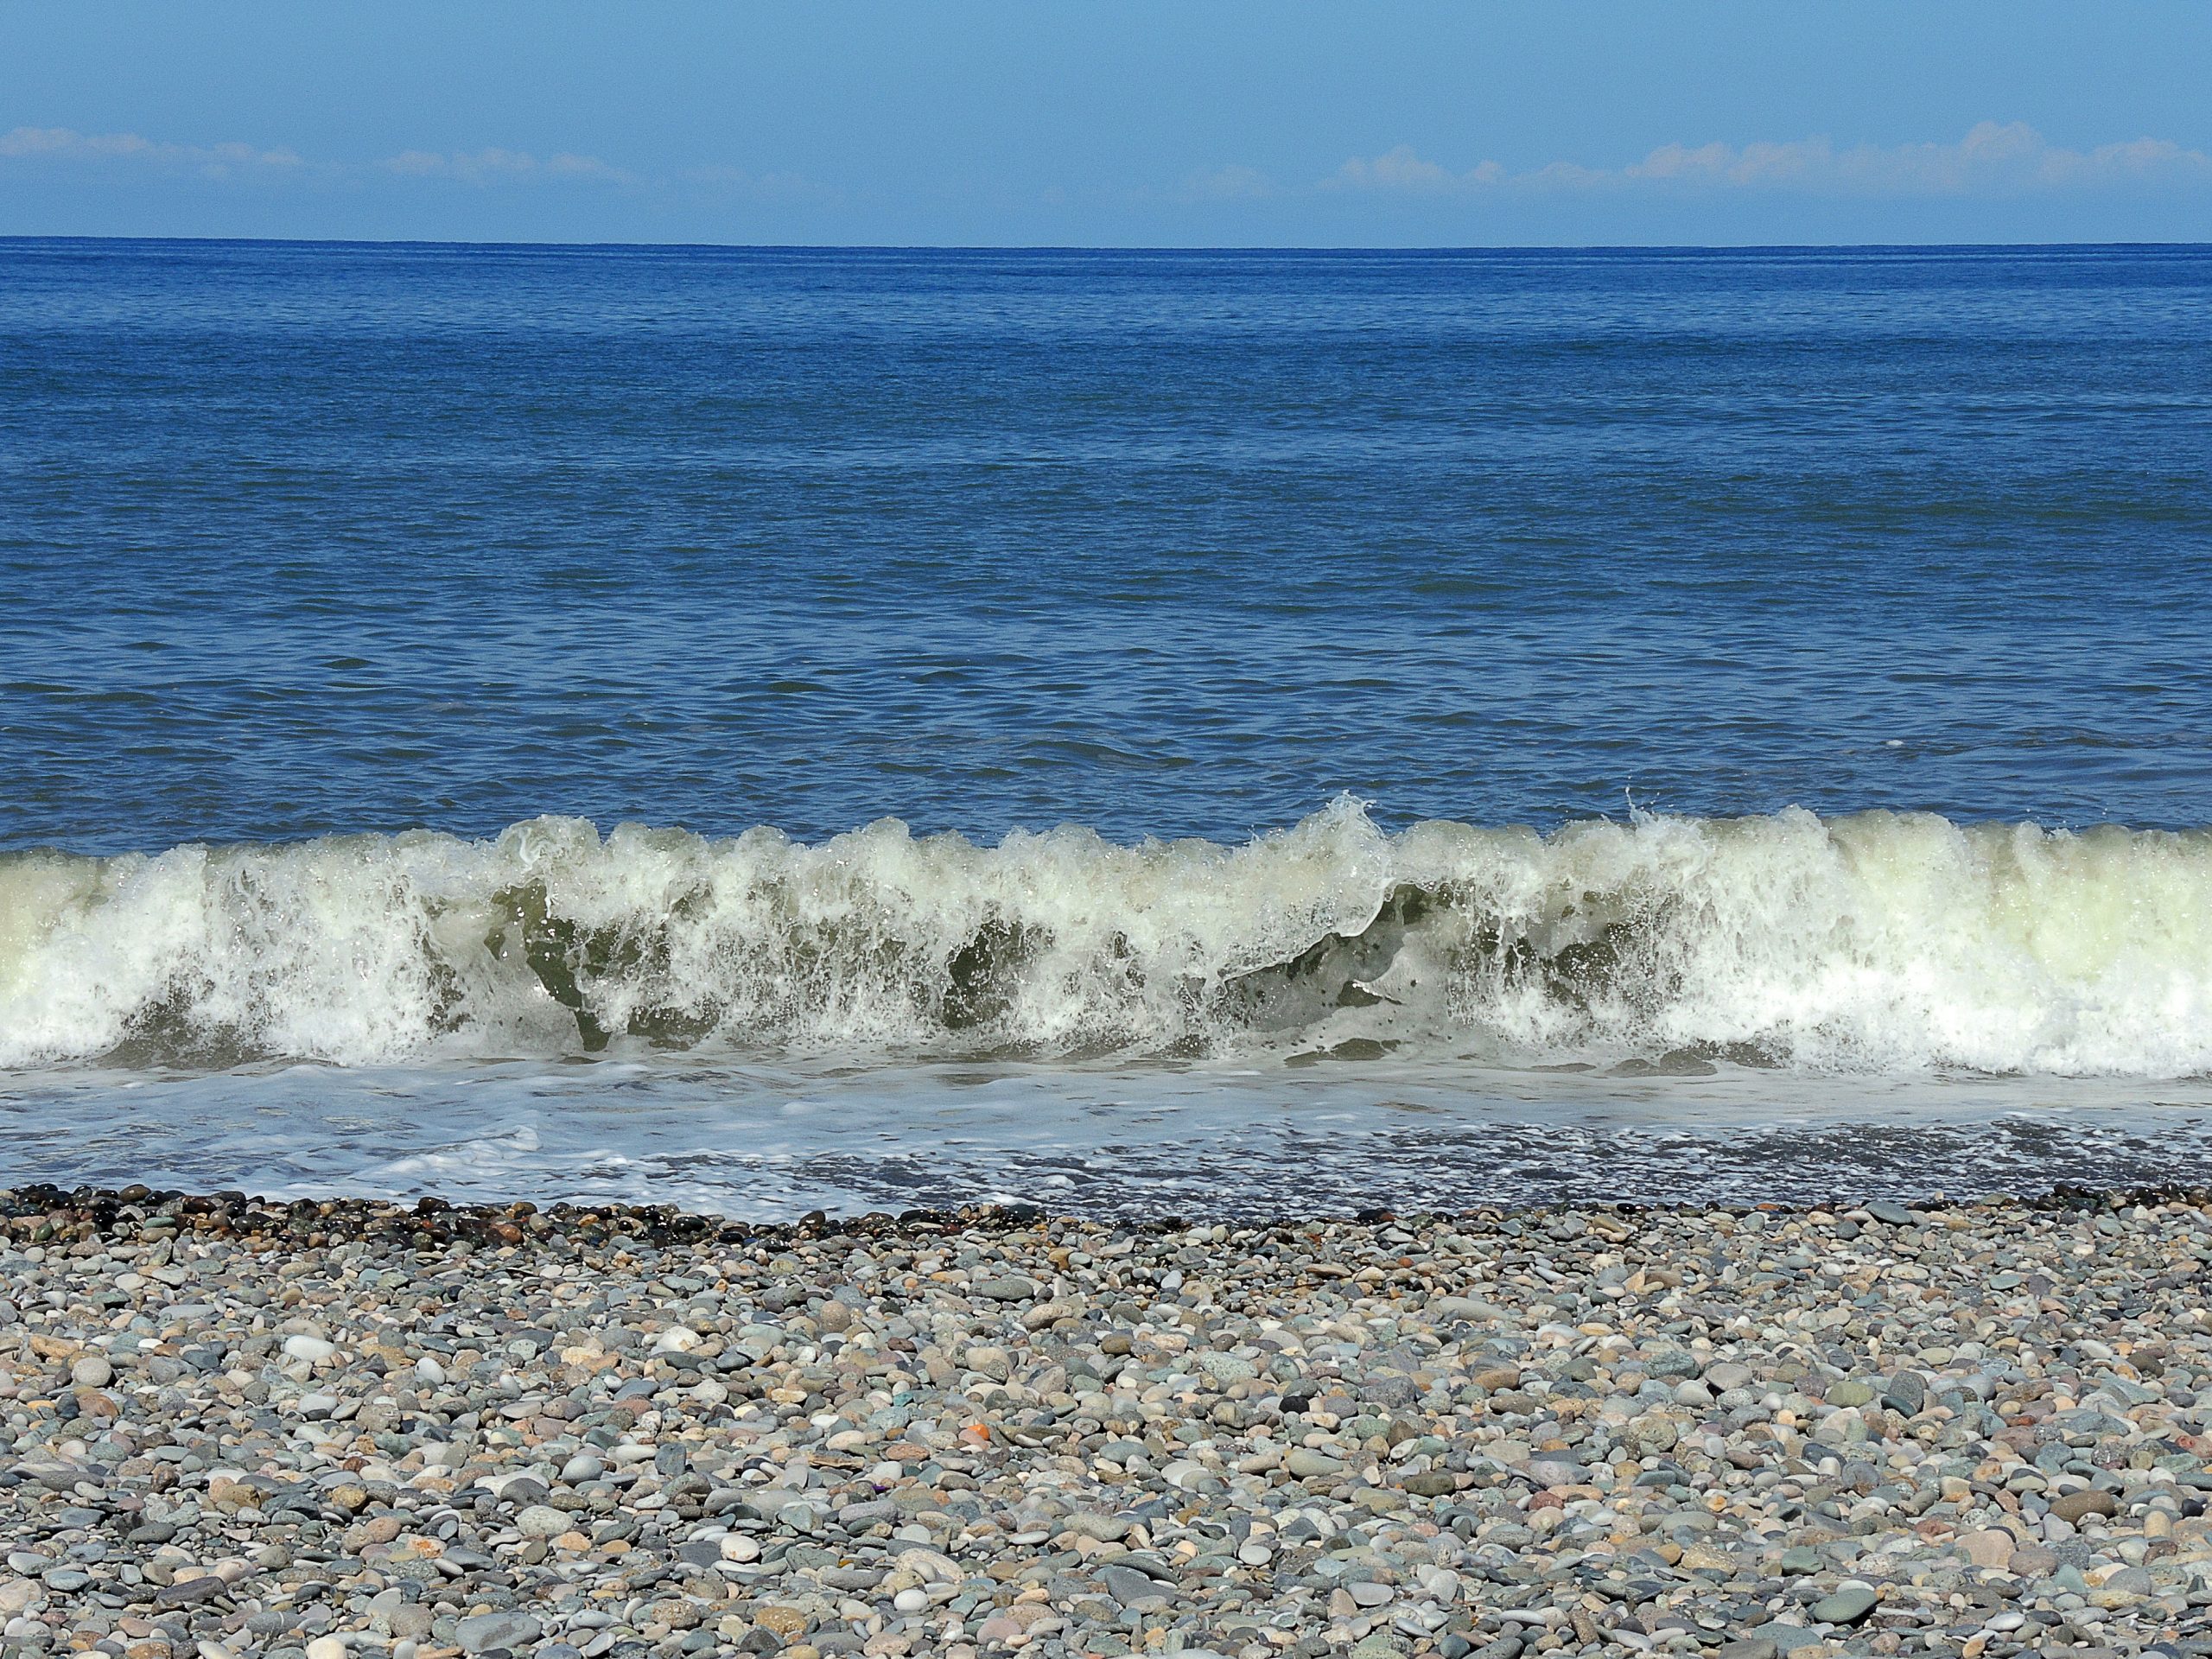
(1876, 942)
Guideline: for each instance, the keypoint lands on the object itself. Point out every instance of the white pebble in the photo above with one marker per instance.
(314, 1350)
(429, 1371)
(326, 1647)
(911, 1601)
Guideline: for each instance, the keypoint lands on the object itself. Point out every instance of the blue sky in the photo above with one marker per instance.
(1193, 124)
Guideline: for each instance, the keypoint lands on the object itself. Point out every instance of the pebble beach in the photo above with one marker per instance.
(406, 1431)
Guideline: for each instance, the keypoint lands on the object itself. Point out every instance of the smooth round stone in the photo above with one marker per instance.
(92, 1371)
(486, 1631)
(911, 1601)
(1847, 1606)
(580, 1468)
(1990, 1547)
(1227, 1370)
(326, 1647)
(542, 1521)
(313, 1350)
(2074, 1507)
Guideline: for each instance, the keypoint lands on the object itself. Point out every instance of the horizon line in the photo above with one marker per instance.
(18, 237)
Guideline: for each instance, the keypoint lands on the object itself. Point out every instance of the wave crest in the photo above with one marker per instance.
(1874, 943)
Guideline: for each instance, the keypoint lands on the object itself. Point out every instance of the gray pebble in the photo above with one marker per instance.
(1849, 1606)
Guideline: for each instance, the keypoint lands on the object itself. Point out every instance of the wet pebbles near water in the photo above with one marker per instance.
(321, 1429)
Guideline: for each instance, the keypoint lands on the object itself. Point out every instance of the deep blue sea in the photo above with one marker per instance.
(771, 729)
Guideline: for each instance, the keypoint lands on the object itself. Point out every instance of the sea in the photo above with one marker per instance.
(771, 730)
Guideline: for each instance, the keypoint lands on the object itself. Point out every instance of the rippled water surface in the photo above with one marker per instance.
(301, 542)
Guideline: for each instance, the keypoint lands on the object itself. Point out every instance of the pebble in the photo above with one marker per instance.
(355, 1428)
(489, 1632)
(1847, 1606)
(1991, 1547)
(540, 1521)
(92, 1371)
(2075, 1506)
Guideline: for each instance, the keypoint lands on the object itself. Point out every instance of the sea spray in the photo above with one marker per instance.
(1875, 943)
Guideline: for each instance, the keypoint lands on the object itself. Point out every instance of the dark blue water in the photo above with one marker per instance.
(297, 539)
(456, 553)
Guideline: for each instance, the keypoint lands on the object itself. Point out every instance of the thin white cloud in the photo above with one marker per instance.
(760, 187)
(67, 146)
(1403, 171)
(1994, 159)
(24, 148)
(64, 146)
(1231, 183)
(488, 167)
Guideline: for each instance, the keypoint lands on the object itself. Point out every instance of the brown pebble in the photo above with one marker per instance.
(378, 1529)
(2074, 1505)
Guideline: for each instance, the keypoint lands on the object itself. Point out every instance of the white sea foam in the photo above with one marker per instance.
(1871, 943)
